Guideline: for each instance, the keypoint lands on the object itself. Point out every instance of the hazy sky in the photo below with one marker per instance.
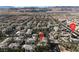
(39, 2)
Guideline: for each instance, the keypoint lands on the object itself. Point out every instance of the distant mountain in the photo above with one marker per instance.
(39, 7)
(66, 7)
(7, 7)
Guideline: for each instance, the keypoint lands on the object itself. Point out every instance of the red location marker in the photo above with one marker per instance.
(72, 26)
(41, 35)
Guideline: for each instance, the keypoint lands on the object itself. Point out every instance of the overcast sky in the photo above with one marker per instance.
(39, 2)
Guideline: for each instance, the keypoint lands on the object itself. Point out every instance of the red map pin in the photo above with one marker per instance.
(72, 26)
(41, 35)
